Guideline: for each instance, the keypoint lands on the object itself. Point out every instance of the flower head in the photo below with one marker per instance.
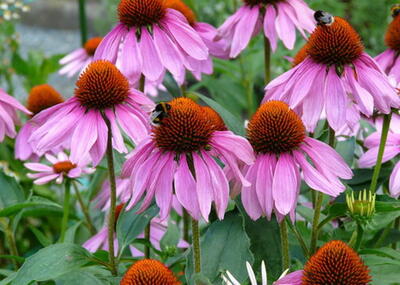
(362, 208)
(78, 123)
(282, 149)
(8, 114)
(149, 271)
(334, 263)
(332, 73)
(78, 59)
(181, 151)
(278, 18)
(61, 167)
(171, 45)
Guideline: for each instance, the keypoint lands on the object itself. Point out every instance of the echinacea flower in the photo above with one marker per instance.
(334, 263)
(40, 98)
(389, 60)
(179, 155)
(335, 74)
(282, 149)
(372, 142)
(149, 271)
(78, 123)
(8, 114)
(170, 45)
(278, 18)
(77, 60)
(61, 166)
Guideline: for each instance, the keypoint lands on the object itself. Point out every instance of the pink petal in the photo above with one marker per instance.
(335, 98)
(152, 67)
(203, 185)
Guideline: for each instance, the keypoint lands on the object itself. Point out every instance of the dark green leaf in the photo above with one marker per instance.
(33, 203)
(10, 192)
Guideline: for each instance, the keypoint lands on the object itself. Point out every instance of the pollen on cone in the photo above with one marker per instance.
(300, 56)
(42, 97)
(335, 44)
(215, 118)
(392, 37)
(180, 6)
(101, 86)
(91, 45)
(336, 263)
(149, 272)
(186, 127)
(63, 166)
(140, 12)
(275, 128)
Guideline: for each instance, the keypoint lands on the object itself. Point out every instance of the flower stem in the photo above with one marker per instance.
(9, 235)
(64, 221)
(82, 21)
(299, 239)
(267, 60)
(385, 130)
(147, 238)
(360, 233)
(85, 210)
(141, 83)
(196, 246)
(315, 230)
(284, 245)
(113, 196)
(186, 221)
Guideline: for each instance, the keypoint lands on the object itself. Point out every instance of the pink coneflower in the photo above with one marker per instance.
(179, 154)
(170, 45)
(334, 263)
(158, 228)
(335, 74)
(372, 142)
(77, 60)
(78, 123)
(61, 167)
(282, 149)
(279, 21)
(8, 114)
(40, 98)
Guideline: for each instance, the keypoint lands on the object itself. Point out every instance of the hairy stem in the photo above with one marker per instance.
(147, 238)
(360, 233)
(315, 230)
(186, 221)
(196, 246)
(85, 210)
(299, 239)
(64, 222)
(82, 21)
(284, 245)
(267, 61)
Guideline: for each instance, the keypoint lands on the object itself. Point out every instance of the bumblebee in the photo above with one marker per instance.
(159, 113)
(395, 10)
(323, 18)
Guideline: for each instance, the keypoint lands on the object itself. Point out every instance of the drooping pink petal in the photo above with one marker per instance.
(152, 67)
(285, 28)
(164, 188)
(264, 182)
(394, 182)
(131, 65)
(335, 98)
(368, 159)
(203, 185)
(109, 47)
(250, 200)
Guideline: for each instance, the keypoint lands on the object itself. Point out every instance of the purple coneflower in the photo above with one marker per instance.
(279, 19)
(170, 45)
(61, 166)
(101, 90)
(282, 149)
(40, 98)
(8, 114)
(179, 154)
(77, 60)
(334, 73)
(372, 142)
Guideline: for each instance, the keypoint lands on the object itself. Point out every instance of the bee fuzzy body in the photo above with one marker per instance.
(159, 113)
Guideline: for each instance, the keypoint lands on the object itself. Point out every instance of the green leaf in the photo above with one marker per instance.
(70, 234)
(384, 264)
(346, 149)
(225, 246)
(33, 203)
(171, 237)
(130, 224)
(10, 192)
(93, 275)
(51, 262)
(42, 238)
(233, 123)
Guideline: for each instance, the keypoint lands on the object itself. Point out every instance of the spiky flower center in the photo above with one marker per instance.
(392, 37)
(335, 44)
(336, 263)
(275, 128)
(257, 2)
(91, 45)
(216, 120)
(42, 97)
(63, 166)
(186, 127)
(300, 56)
(101, 86)
(180, 6)
(149, 272)
(138, 13)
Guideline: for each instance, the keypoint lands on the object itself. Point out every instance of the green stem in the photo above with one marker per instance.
(141, 83)
(385, 130)
(82, 21)
(299, 238)
(267, 61)
(85, 210)
(251, 108)
(284, 245)
(12, 244)
(186, 221)
(360, 233)
(67, 196)
(113, 198)
(315, 230)
(147, 238)
(196, 246)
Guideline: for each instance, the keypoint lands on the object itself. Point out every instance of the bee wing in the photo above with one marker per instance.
(154, 115)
